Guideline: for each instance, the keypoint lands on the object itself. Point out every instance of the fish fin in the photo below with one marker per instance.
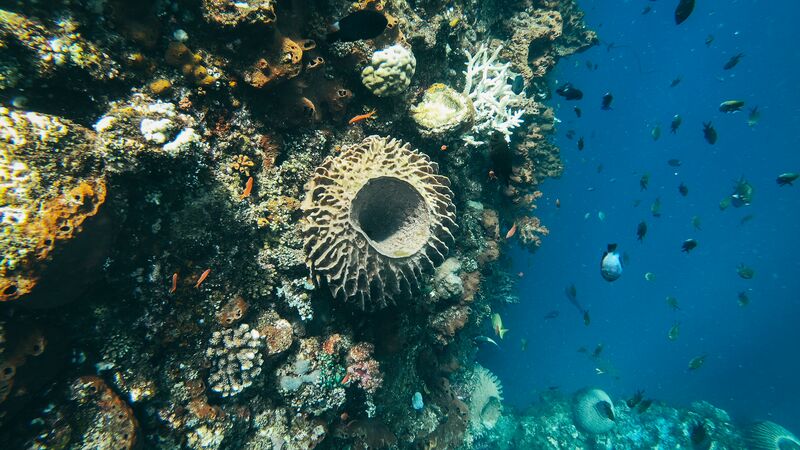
(611, 247)
(502, 332)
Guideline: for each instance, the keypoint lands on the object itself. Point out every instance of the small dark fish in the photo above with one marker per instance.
(578, 112)
(744, 300)
(656, 132)
(518, 84)
(583, 350)
(362, 24)
(683, 11)
(699, 437)
(646, 10)
(696, 223)
(569, 92)
(709, 40)
(672, 302)
(598, 350)
(637, 397)
(731, 106)
(786, 179)
(745, 272)
(675, 82)
(599, 168)
(697, 362)
(683, 190)
(551, 315)
(570, 134)
(586, 319)
(753, 117)
(604, 409)
(746, 219)
(610, 265)
(655, 208)
(641, 230)
(644, 406)
(733, 61)
(553, 388)
(486, 340)
(676, 123)
(688, 245)
(626, 259)
(709, 133)
(644, 181)
(674, 162)
(572, 292)
(606, 102)
(580, 143)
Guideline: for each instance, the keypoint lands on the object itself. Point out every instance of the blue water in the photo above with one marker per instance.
(753, 357)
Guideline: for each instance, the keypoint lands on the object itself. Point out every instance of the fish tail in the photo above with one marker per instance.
(502, 332)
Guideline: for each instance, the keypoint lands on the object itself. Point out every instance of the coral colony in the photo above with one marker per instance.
(223, 228)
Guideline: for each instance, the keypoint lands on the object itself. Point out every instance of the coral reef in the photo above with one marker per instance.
(377, 216)
(181, 168)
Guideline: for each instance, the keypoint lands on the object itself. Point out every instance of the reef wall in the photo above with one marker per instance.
(229, 225)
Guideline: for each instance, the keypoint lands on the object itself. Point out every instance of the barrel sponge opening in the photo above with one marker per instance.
(377, 216)
(771, 436)
(593, 411)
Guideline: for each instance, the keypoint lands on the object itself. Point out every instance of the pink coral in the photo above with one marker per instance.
(363, 369)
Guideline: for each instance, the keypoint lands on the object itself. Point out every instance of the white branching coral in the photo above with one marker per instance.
(491, 94)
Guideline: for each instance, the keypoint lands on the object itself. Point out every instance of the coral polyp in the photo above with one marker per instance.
(377, 217)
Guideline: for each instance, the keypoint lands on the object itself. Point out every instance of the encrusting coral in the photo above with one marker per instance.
(376, 217)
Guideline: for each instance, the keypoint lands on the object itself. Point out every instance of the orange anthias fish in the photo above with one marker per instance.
(512, 231)
(174, 283)
(360, 117)
(346, 379)
(202, 278)
(248, 188)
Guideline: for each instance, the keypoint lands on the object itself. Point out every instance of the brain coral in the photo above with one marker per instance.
(390, 71)
(485, 400)
(771, 436)
(377, 216)
(593, 411)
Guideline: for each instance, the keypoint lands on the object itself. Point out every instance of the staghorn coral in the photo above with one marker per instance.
(105, 422)
(443, 112)
(236, 359)
(486, 395)
(770, 436)
(487, 87)
(376, 216)
(389, 71)
(593, 411)
(51, 184)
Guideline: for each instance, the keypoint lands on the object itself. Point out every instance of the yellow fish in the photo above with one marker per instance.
(497, 324)
(454, 21)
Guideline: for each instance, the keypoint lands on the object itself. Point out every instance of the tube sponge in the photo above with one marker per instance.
(389, 71)
(593, 411)
(771, 436)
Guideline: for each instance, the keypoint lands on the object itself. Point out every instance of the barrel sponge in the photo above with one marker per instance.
(50, 184)
(377, 216)
(485, 400)
(771, 436)
(443, 112)
(389, 71)
(591, 408)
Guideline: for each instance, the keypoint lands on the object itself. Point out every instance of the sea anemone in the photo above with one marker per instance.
(771, 436)
(377, 216)
(593, 411)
